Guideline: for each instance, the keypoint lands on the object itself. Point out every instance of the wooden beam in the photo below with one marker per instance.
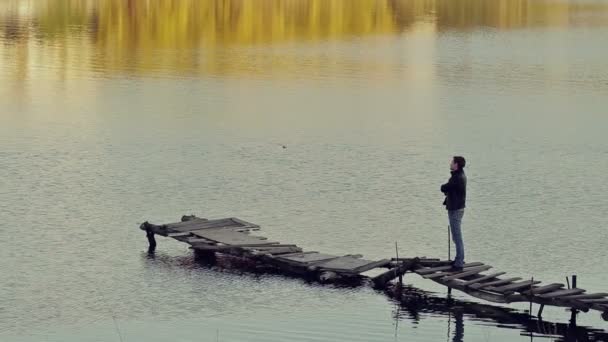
(471, 271)
(544, 289)
(174, 235)
(593, 301)
(494, 283)
(585, 296)
(444, 268)
(480, 279)
(513, 287)
(561, 293)
(372, 265)
(382, 279)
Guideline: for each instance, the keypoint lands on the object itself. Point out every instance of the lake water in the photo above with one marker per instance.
(113, 112)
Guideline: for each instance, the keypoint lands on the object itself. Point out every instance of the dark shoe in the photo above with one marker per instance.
(456, 268)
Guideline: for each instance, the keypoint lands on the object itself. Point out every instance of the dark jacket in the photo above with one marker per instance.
(455, 191)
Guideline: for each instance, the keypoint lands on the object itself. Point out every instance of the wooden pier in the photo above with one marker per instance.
(233, 237)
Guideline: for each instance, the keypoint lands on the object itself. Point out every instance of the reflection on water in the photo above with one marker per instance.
(415, 304)
(109, 36)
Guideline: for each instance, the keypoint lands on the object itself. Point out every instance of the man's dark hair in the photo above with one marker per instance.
(460, 161)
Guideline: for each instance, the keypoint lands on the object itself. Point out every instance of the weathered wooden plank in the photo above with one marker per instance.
(593, 301)
(449, 272)
(219, 248)
(585, 296)
(422, 271)
(196, 240)
(479, 286)
(452, 272)
(513, 287)
(244, 223)
(561, 293)
(544, 289)
(176, 235)
(372, 265)
(184, 226)
(344, 264)
(229, 237)
(276, 249)
(307, 258)
(382, 279)
(484, 278)
(469, 272)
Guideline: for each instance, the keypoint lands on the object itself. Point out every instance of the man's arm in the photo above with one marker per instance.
(449, 186)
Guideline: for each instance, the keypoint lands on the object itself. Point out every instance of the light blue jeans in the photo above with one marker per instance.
(455, 217)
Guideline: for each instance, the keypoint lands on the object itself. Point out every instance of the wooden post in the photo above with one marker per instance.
(449, 245)
(574, 311)
(397, 254)
(449, 257)
(151, 240)
(540, 311)
(531, 295)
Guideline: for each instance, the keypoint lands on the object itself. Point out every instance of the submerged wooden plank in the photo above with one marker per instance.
(494, 283)
(561, 293)
(544, 289)
(468, 272)
(484, 278)
(422, 271)
(229, 237)
(513, 287)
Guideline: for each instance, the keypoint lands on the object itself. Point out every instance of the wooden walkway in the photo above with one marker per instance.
(233, 237)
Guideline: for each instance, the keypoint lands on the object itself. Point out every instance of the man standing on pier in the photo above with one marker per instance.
(455, 191)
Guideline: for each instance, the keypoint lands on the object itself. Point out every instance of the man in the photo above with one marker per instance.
(455, 191)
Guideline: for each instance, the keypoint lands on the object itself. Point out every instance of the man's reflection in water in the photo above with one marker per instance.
(458, 318)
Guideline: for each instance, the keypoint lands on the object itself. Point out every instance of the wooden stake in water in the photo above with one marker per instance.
(531, 295)
(449, 245)
(397, 255)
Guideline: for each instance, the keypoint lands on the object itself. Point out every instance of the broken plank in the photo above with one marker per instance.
(444, 268)
(593, 301)
(561, 293)
(176, 235)
(471, 271)
(585, 296)
(513, 287)
(196, 240)
(450, 272)
(275, 249)
(229, 237)
(484, 278)
(494, 283)
(372, 265)
(544, 289)
(307, 258)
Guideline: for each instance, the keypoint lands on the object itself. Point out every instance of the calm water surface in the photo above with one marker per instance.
(113, 112)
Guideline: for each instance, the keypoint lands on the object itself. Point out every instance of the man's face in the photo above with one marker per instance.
(453, 165)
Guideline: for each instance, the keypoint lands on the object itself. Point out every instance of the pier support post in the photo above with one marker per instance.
(574, 311)
(531, 295)
(151, 240)
(540, 311)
